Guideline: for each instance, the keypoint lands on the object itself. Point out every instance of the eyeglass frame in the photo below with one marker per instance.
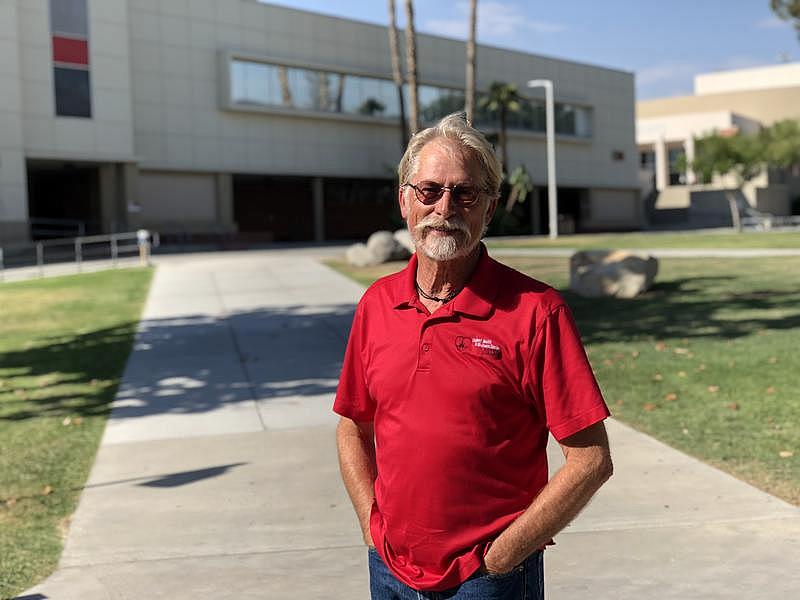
(418, 194)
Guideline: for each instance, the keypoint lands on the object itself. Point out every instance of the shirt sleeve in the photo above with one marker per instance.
(353, 399)
(562, 381)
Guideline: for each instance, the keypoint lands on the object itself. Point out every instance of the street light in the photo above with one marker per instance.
(552, 199)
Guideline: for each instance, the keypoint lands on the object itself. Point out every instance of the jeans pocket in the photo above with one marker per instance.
(501, 576)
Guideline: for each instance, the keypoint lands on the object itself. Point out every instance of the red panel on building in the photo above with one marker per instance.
(67, 50)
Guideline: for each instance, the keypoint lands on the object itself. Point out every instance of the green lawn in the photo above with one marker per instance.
(707, 361)
(63, 345)
(715, 239)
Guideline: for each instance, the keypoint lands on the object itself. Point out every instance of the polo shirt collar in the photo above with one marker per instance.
(476, 299)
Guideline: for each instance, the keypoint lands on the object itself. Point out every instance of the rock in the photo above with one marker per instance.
(617, 273)
(358, 255)
(381, 245)
(403, 237)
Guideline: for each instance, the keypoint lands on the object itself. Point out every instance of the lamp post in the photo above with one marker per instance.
(552, 199)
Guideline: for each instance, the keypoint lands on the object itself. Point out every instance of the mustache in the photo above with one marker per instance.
(455, 223)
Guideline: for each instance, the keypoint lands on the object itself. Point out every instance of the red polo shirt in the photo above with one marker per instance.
(462, 401)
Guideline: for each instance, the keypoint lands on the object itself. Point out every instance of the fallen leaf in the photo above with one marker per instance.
(681, 373)
(773, 360)
(619, 402)
(685, 341)
(660, 347)
(733, 406)
(11, 502)
(770, 390)
(785, 453)
(77, 420)
(685, 431)
(66, 422)
(635, 354)
(649, 407)
(47, 490)
(608, 362)
(658, 377)
(681, 350)
(713, 389)
(702, 367)
(690, 355)
(671, 397)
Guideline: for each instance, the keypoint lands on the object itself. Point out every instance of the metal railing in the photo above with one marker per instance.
(78, 251)
(767, 222)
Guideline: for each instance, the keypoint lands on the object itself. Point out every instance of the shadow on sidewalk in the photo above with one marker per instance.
(182, 365)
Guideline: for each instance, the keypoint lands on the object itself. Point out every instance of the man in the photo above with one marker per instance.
(457, 369)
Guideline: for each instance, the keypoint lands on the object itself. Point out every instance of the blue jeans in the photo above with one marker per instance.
(525, 582)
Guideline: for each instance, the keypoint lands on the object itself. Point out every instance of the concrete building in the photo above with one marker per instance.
(223, 117)
(744, 101)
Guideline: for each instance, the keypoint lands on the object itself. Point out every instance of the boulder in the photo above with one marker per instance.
(381, 245)
(358, 255)
(617, 273)
(403, 237)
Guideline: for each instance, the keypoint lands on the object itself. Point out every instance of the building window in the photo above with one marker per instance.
(73, 93)
(69, 28)
(647, 160)
(676, 175)
(70, 17)
(259, 84)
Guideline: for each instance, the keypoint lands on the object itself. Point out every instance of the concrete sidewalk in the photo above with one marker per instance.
(217, 474)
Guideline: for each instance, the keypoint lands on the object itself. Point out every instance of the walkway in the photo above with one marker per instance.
(217, 475)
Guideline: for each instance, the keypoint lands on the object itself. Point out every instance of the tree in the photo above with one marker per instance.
(521, 185)
(397, 73)
(469, 96)
(782, 145)
(286, 93)
(740, 155)
(411, 67)
(501, 99)
(370, 107)
(788, 10)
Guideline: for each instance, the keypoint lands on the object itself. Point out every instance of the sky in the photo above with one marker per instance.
(664, 43)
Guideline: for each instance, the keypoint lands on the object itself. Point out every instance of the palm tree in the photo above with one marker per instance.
(411, 67)
(502, 99)
(469, 93)
(397, 73)
(286, 93)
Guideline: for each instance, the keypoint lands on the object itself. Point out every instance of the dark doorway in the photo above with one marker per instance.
(274, 208)
(61, 196)
(573, 209)
(356, 208)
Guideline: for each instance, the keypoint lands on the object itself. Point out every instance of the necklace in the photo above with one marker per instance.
(444, 300)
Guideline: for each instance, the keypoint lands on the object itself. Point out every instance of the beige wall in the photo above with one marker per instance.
(770, 77)
(613, 208)
(13, 188)
(108, 135)
(173, 198)
(180, 123)
(766, 106)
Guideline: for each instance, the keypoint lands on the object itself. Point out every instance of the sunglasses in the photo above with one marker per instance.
(429, 192)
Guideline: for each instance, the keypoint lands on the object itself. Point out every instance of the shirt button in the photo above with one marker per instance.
(426, 347)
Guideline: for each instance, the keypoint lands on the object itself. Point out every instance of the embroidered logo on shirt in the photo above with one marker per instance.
(478, 346)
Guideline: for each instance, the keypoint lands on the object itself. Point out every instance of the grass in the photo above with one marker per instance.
(705, 240)
(707, 361)
(63, 346)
